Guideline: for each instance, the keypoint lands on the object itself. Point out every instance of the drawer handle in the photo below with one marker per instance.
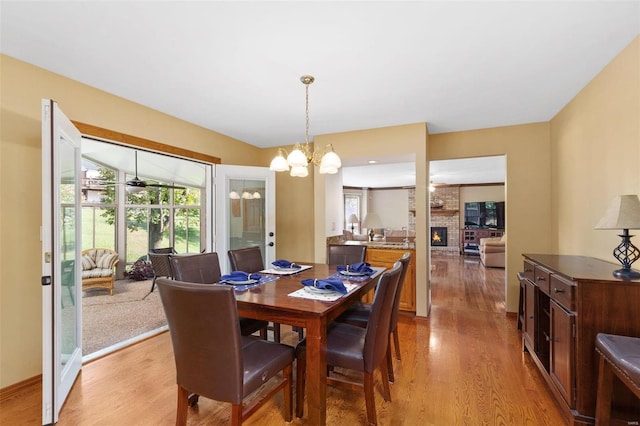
(558, 290)
(540, 278)
(531, 317)
(528, 270)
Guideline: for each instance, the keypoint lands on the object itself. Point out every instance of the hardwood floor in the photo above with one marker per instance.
(462, 366)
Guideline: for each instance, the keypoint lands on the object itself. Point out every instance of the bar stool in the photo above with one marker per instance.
(619, 355)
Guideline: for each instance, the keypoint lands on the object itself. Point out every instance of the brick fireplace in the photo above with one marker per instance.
(447, 219)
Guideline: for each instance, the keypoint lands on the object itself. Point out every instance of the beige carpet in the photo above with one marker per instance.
(107, 320)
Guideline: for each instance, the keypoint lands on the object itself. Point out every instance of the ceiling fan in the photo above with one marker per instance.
(138, 185)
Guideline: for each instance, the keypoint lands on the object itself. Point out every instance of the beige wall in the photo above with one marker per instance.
(527, 189)
(23, 87)
(595, 156)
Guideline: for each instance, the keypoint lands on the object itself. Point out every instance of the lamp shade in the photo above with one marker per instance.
(297, 159)
(279, 163)
(352, 218)
(299, 171)
(372, 221)
(623, 213)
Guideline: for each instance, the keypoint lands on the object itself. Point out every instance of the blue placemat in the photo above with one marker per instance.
(263, 280)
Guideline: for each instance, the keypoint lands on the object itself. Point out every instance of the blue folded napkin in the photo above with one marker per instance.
(281, 263)
(360, 267)
(240, 276)
(326, 284)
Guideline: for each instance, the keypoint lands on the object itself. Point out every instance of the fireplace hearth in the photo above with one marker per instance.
(438, 236)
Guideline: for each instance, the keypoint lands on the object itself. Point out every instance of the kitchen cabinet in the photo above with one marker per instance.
(386, 257)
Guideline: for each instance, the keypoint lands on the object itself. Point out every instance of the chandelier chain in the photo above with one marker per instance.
(306, 132)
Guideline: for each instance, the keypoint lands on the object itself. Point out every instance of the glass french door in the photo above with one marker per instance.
(245, 211)
(61, 261)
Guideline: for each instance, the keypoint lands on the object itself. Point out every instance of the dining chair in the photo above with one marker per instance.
(345, 254)
(249, 259)
(213, 359)
(356, 348)
(205, 269)
(359, 315)
(160, 264)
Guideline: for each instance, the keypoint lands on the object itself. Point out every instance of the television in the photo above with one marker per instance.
(484, 214)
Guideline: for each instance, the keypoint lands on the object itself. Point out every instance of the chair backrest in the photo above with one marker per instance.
(378, 326)
(404, 260)
(163, 250)
(247, 259)
(160, 264)
(197, 268)
(205, 334)
(345, 254)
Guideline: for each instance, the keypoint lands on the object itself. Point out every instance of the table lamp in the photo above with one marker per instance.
(624, 213)
(371, 221)
(353, 219)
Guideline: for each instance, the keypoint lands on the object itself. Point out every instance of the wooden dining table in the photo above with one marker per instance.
(271, 302)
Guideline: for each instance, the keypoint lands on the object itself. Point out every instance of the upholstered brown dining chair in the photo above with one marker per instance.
(356, 348)
(213, 359)
(345, 254)
(359, 315)
(249, 259)
(205, 269)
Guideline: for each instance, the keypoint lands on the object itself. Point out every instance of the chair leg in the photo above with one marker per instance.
(605, 389)
(263, 333)
(391, 377)
(183, 404)
(385, 383)
(369, 398)
(301, 366)
(276, 332)
(287, 375)
(236, 414)
(396, 342)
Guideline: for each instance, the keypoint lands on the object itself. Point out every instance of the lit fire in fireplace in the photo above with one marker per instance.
(439, 236)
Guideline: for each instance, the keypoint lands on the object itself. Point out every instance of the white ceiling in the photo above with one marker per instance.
(234, 67)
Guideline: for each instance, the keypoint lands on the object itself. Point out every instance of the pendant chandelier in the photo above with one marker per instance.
(301, 156)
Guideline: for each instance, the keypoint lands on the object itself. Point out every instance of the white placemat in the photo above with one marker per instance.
(275, 271)
(331, 297)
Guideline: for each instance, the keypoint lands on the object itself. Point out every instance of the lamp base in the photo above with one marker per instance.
(371, 234)
(626, 274)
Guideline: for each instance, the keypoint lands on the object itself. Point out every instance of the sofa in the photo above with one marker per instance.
(98, 268)
(492, 251)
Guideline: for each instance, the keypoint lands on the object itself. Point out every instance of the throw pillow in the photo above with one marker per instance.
(106, 261)
(87, 263)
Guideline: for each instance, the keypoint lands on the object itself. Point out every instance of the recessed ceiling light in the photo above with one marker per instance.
(372, 161)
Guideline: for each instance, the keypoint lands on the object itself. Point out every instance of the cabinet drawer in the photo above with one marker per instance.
(541, 278)
(528, 271)
(563, 292)
(383, 257)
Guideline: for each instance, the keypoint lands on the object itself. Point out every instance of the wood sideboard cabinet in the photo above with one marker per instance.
(568, 300)
(470, 239)
(386, 258)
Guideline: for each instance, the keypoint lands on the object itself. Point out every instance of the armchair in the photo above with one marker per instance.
(98, 268)
(492, 251)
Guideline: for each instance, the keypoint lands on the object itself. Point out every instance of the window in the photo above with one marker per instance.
(352, 206)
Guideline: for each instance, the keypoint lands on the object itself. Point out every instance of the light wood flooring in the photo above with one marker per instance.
(461, 366)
